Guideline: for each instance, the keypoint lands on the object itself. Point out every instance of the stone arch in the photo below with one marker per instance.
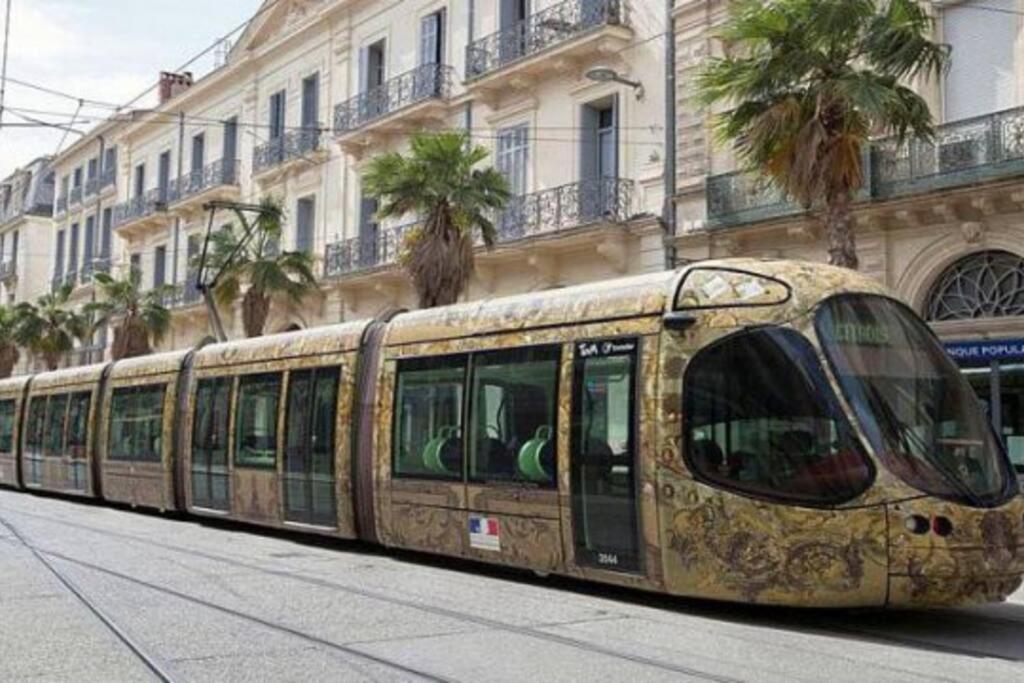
(920, 273)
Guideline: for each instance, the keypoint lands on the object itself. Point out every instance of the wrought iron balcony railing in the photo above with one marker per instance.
(365, 253)
(146, 205)
(92, 186)
(566, 207)
(292, 145)
(215, 174)
(562, 208)
(62, 205)
(962, 152)
(547, 28)
(741, 197)
(75, 196)
(96, 264)
(429, 81)
(180, 295)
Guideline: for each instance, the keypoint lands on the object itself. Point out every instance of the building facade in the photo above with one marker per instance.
(567, 96)
(940, 223)
(26, 202)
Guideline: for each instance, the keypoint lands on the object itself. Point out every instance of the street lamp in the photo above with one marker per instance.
(606, 74)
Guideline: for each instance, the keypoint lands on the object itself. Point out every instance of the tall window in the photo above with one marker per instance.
(198, 154)
(230, 150)
(140, 180)
(108, 224)
(311, 102)
(305, 213)
(512, 157)
(90, 239)
(110, 159)
(428, 418)
(164, 177)
(135, 267)
(514, 415)
(73, 249)
(372, 66)
(277, 104)
(136, 423)
(160, 266)
(58, 269)
(432, 38)
(93, 168)
(77, 178)
(983, 76)
(256, 433)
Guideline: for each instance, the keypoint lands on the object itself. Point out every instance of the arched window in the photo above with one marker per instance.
(988, 284)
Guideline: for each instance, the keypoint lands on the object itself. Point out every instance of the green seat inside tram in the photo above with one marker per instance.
(536, 455)
(438, 451)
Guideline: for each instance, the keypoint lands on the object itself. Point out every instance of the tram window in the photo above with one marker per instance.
(428, 418)
(136, 423)
(35, 423)
(309, 444)
(56, 414)
(6, 427)
(515, 397)
(210, 426)
(259, 397)
(78, 423)
(763, 420)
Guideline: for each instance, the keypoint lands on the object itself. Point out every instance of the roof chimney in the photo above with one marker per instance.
(171, 84)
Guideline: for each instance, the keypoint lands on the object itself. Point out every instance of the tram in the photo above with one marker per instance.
(745, 430)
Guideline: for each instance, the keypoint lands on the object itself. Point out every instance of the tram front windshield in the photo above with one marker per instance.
(917, 410)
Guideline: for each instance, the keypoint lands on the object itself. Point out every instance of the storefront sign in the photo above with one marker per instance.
(985, 351)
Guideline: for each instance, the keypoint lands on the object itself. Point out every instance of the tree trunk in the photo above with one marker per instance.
(839, 235)
(440, 262)
(255, 311)
(131, 339)
(52, 359)
(8, 359)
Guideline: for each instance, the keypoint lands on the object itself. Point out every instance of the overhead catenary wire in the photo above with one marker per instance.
(3, 67)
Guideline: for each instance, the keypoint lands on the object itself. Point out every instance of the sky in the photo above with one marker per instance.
(105, 50)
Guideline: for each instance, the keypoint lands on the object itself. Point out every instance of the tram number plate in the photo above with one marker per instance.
(610, 559)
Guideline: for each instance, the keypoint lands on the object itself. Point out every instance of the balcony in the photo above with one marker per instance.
(97, 264)
(404, 102)
(181, 295)
(563, 212)
(8, 271)
(962, 153)
(139, 213)
(217, 180)
(92, 186)
(360, 254)
(744, 197)
(108, 177)
(562, 34)
(61, 207)
(277, 157)
(75, 196)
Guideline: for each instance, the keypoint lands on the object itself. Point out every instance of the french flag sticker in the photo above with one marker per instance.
(484, 533)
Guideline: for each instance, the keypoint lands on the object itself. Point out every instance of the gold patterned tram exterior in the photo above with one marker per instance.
(753, 431)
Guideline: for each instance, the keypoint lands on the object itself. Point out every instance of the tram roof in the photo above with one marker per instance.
(68, 377)
(627, 297)
(13, 386)
(316, 341)
(145, 366)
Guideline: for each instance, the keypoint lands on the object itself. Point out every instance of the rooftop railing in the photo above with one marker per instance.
(292, 145)
(545, 29)
(429, 81)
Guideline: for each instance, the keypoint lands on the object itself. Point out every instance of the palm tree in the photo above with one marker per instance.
(810, 81)
(9, 354)
(440, 181)
(50, 326)
(140, 319)
(259, 265)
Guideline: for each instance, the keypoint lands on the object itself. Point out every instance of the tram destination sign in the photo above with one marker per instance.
(983, 352)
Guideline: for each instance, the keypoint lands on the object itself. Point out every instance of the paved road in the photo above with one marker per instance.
(92, 593)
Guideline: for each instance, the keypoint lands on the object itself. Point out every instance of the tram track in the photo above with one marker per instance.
(464, 617)
(153, 663)
(818, 625)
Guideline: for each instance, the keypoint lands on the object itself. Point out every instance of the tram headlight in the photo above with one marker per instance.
(916, 524)
(942, 526)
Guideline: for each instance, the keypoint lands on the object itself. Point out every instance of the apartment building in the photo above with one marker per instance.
(941, 223)
(81, 241)
(568, 97)
(26, 202)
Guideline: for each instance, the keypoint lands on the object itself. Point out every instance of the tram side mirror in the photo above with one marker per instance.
(679, 321)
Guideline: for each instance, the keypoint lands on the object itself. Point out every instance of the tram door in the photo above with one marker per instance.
(603, 457)
(309, 447)
(210, 444)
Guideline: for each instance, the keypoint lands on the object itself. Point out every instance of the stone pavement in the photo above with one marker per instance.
(178, 600)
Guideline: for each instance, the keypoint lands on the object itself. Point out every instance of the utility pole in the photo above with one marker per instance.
(3, 68)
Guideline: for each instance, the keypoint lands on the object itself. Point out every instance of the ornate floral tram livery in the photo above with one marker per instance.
(755, 431)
